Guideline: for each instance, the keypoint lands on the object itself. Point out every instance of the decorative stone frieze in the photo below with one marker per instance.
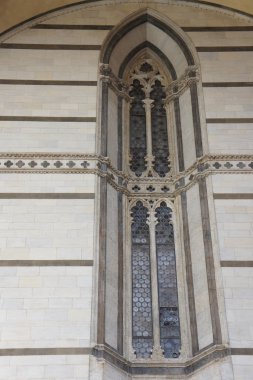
(123, 182)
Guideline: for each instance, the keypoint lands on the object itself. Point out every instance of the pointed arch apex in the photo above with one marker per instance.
(148, 26)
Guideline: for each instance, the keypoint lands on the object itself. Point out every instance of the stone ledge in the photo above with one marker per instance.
(187, 367)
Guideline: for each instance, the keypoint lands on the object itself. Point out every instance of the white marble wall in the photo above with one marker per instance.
(46, 229)
(51, 306)
(32, 136)
(235, 228)
(203, 317)
(44, 367)
(49, 64)
(45, 307)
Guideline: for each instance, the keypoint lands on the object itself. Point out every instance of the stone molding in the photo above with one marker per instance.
(79, 5)
(64, 163)
(168, 367)
(173, 91)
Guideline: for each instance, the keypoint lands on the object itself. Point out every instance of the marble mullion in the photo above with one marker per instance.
(148, 103)
(157, 353)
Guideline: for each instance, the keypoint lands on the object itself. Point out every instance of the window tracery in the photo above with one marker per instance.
(149, 145)
(155, 316)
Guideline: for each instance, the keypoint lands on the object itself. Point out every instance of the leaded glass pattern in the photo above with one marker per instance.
(148, 134)
(141, 288)
(160, 145)
(167, 283)
(138, 147)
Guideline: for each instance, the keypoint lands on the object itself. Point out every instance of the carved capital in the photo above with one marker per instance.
(179, 86)
(116, 84)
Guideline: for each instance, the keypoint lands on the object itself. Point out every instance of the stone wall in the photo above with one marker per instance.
(48, 226)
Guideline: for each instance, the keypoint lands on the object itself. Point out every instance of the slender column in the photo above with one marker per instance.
(149, 157)
(170, 130)
(157, 353)
(126, 135)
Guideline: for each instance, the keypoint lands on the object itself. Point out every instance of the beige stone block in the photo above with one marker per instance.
(47, 137)
(79, 315)
(58, 37)
(49, 64)
(221, 38)
(226, 66)
(223, 102)
(230, 138)
(14, 333)
(61, 229)
(30, 282)
(26, 100)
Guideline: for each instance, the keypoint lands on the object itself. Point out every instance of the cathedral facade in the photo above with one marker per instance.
(126, 162)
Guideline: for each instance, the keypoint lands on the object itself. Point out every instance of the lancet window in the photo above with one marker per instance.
(149, 144)
(155, 314)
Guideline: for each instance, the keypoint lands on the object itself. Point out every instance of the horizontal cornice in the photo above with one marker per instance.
(175, 184)
(167, 368)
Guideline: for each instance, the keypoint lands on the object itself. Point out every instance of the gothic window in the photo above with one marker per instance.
(138, 146)
(155, 315)
(149, 145)
(141, 291)
(167, 282)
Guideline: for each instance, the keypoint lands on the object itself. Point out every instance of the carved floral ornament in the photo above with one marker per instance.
(35, 163)
(173, 90)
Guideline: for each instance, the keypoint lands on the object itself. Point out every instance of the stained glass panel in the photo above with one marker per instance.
(141, 290)
(138, 148)
(167, 283)
(160, 146)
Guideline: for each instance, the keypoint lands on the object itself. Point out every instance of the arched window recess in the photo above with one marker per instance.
(152, 128)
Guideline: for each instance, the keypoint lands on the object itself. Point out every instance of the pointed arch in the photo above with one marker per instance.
(155, 36)
(148, 27)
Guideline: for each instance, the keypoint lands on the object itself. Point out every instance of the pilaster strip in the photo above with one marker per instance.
(120, 332)
(196, 120)
(189, 275)
(102, 261)
(103, 220)
(210, 269)
(179, 135)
